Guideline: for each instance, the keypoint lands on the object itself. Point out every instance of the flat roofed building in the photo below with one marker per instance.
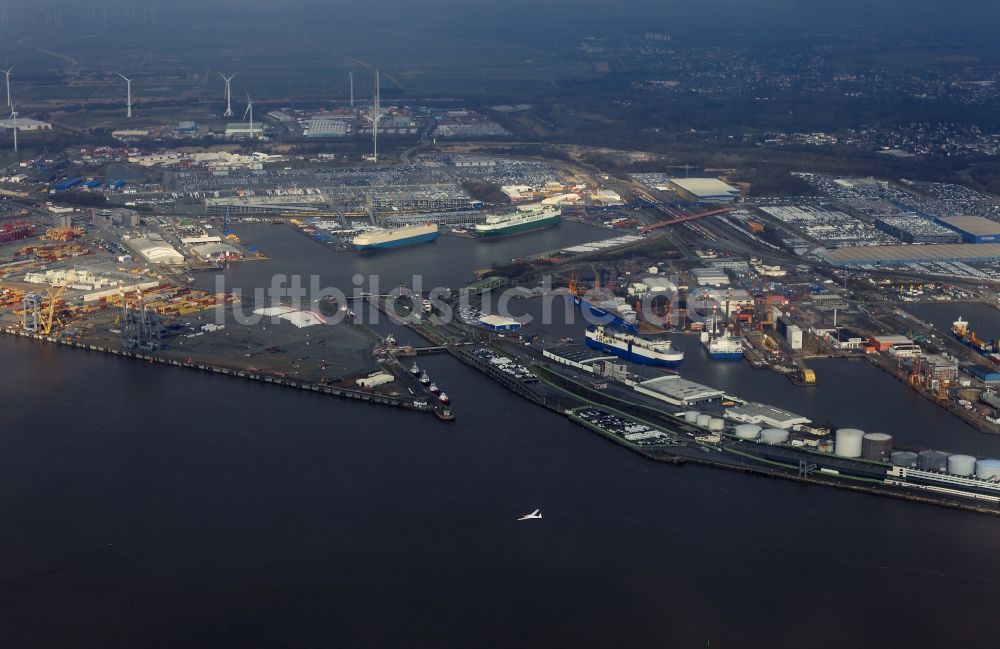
(326, 127)
(707, 190)
(884, 343)
(710, 276)
(578, 356)
(499, 323)
(25, 124)
(155, 250)
(659, 285)
(677, 391)
(243, 129)
(874, 255)
(974, 229)
(916, 229)
(764, 414)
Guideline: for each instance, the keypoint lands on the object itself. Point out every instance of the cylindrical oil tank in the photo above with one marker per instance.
(988, 469)
(703, 420)
(825, 446)
(932, 460)
(717, 424)
(961, 465)
(848, 442)
(774, 436)
(903, 458)
(876, 446)
(691, 416)
(747, 431)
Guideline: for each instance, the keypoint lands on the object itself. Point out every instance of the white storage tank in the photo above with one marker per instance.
(962, 465)
(774, 436)
(691, 416)
(717, 425)
(747, 431)
(848, 442)
(703, 420)
(876, 446)
(903, 458)
(988, 469)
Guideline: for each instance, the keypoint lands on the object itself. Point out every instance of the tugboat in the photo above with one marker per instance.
(424, 378)
(415, 370)
(443, 398)
(434, 388)
(444, 414)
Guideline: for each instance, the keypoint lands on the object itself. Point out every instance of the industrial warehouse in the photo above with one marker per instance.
(874, 255)
(974, 229)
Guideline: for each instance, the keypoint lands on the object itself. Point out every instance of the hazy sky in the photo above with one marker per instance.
(931, 14)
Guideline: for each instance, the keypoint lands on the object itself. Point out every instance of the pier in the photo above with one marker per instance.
(309, 386)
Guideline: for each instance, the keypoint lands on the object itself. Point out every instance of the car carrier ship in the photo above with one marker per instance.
(633, 348)
(395, 237)
(522, 219)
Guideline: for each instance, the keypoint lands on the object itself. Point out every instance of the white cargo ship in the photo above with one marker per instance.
(395, 237)
(522, 219)
(722, 346)
(633, 348)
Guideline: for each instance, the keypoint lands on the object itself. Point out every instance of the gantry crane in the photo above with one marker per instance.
(36, 318)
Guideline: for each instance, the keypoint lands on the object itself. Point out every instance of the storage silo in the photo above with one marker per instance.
(903, 458)
(717, 424)
(747, 431)
(774, 436)
(962, 465)
(848, 442)
(703, 420)
(932, 460)
(876, 446)
(988, 469)
(691, 416)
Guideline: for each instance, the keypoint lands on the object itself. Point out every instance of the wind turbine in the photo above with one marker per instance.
(375, 115)
(129, 84)
(7, 73)
(249, 111)
(13, 117)
(350, 77)
(229, 96)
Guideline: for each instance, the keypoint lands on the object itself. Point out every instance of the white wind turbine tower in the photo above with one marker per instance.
(375, 116)
(350, 78)
(128, 82)
(13, 117)
(7, 73)
(249, 111)
(229, 95)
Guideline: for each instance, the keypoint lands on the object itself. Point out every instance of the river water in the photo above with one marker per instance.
(151, 506)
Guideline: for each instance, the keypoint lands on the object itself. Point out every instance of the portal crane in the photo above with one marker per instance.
(36, 318)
